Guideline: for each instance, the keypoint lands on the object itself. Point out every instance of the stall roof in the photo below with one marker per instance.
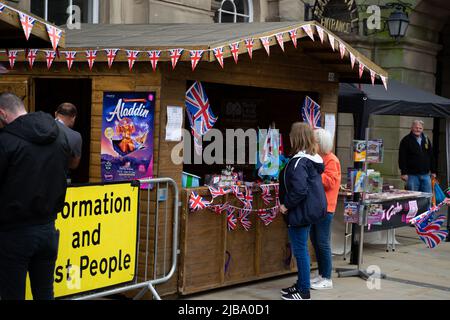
(210, 36)
(12, 35)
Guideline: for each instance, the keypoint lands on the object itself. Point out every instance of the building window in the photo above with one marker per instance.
(56, 11)
(235, 11)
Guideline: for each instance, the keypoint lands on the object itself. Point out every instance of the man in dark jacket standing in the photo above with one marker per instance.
(416, 160)
(34, 157)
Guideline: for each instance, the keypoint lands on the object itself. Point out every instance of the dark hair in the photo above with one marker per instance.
(9, 101)
(67, 109)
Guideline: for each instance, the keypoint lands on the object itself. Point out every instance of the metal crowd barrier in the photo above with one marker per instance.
(148, 283)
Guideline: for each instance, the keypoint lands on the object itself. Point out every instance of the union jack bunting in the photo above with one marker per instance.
(243, 218)
(265, 194)
(50, 57)
(54, 34)
(111, 55)
(384, 80)
(280, 40)
(218, 192)
(342, 49)
(308, 31)
(361, 69)
(311, 112)
(352, 59)
(12, 56)
(266, 43)
(154, 57)
(196, 56)
(175, 55)
(91, 55)
(218, 208)
(197, 105)
(277, 195)
(249, 45)
(132, 56)
(196, 202)
(293, 35)
(27, 23)
(218, 53)
(320, 32)
(372, 76)
(238, 194)
(31, 56)
(70, 58)
(234, 48)
(267, 216)
(248, 198)
(231, 219)
(331, 39)
(195, 128)
(429, 230)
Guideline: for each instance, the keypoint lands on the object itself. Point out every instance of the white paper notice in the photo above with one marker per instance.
(174, 123)
(330, 123)
(412, 210)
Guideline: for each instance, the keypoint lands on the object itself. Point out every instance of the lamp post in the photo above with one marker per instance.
(398, 22)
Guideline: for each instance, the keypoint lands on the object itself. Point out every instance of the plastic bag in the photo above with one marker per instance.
(439, 194)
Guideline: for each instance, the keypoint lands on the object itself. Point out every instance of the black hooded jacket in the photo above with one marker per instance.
(34, 156)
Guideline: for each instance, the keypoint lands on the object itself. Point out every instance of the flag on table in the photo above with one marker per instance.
(197, 105)
(238, 193)
(196, 202)
(311, 112)
(27, 23)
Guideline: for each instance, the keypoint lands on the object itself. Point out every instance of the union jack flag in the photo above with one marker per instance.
(27, 24)
(243, 219)
(311, 112)
(175, 55)
(277, 195)
(234, 48)
(111, 55)
(195, 128)
(293, 35)
(248, 198)
(265, 194)
(197, 105)
(132, 56)
(429, 230)
(91, 55)
(196, 202)
(218, 192)
(196, 56)
(154, 57)
(249, 45)
(218, 208)
(50, 57)
(308, 30)
(266, 43)
(32, 54)
(54, 34)
(267, 216)
(280, 40)
(218, 53)
(70, 58)
(238, 194)
(231, 219)
(12, 55)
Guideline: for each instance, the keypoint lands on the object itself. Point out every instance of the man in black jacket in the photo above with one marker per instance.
(34, 157)
(416, 160)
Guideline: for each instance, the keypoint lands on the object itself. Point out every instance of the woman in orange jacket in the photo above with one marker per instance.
(321, 232)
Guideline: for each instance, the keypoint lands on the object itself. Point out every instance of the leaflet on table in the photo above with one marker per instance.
(351, 212)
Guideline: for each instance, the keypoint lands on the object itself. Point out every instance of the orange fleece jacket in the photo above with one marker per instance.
(331, 179)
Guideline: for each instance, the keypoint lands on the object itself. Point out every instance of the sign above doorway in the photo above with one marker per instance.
(337, 15)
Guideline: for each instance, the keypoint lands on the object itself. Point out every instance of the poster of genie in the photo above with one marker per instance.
(127, 135)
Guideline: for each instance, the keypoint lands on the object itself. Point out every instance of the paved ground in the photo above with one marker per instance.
(413, 272)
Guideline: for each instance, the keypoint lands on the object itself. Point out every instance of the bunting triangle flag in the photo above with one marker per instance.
(234, 48)
(372, 76)
(307, 28)
(331, 38)
(249, 45)
(54, 34)
(196, 56)
(31, 56)
(243, 218)
(154, 57)
(70, 58)
(175, 55)
(320, 32)
(266, 43)
(361, 69)
(293, 35)
(27, 23)
(280, 40)
(132, 56)
(384, 80)
(50, 57)
(12, 56)
(218, 53)
(352, 59)
(91, 55)
(231, 219)
(342, 49)
(111, 56)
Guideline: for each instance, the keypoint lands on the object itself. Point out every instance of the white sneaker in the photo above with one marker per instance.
(316, 279)
(322, 285)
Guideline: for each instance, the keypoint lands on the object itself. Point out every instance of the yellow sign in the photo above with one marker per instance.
(98, 238)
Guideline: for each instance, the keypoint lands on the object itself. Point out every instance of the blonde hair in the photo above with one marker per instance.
(324, 140)
(302, 138)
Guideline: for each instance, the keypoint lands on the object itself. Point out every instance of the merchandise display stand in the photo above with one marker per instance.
(359, 272)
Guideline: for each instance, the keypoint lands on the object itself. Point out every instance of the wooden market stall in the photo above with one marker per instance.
(210, 256)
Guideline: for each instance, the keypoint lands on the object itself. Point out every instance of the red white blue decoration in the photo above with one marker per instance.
(307, 28)
(196, 202)
(111, 56)
(231, 219)
(311, 112)
(175, 55)
(54, 34)
(27, 23)
(280, 40)
(132, 56)
(50, 57)
(293, 35)
(265, 194)
(218, 53)
(196, 56)
(154, 57)
(91, 55)
(197, 105)
(217, 192)
(234, 49)
(249, 45)
(243, 219)
(12, 56)
(31, 56)
(70, 58)
(321, 33)
(266, 43)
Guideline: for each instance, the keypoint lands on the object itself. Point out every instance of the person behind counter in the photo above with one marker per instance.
(303, 202)
(321, 231)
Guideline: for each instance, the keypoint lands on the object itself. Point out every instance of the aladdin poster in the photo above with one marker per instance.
(127, 135)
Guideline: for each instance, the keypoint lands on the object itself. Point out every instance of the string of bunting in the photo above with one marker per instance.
(175, 54)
